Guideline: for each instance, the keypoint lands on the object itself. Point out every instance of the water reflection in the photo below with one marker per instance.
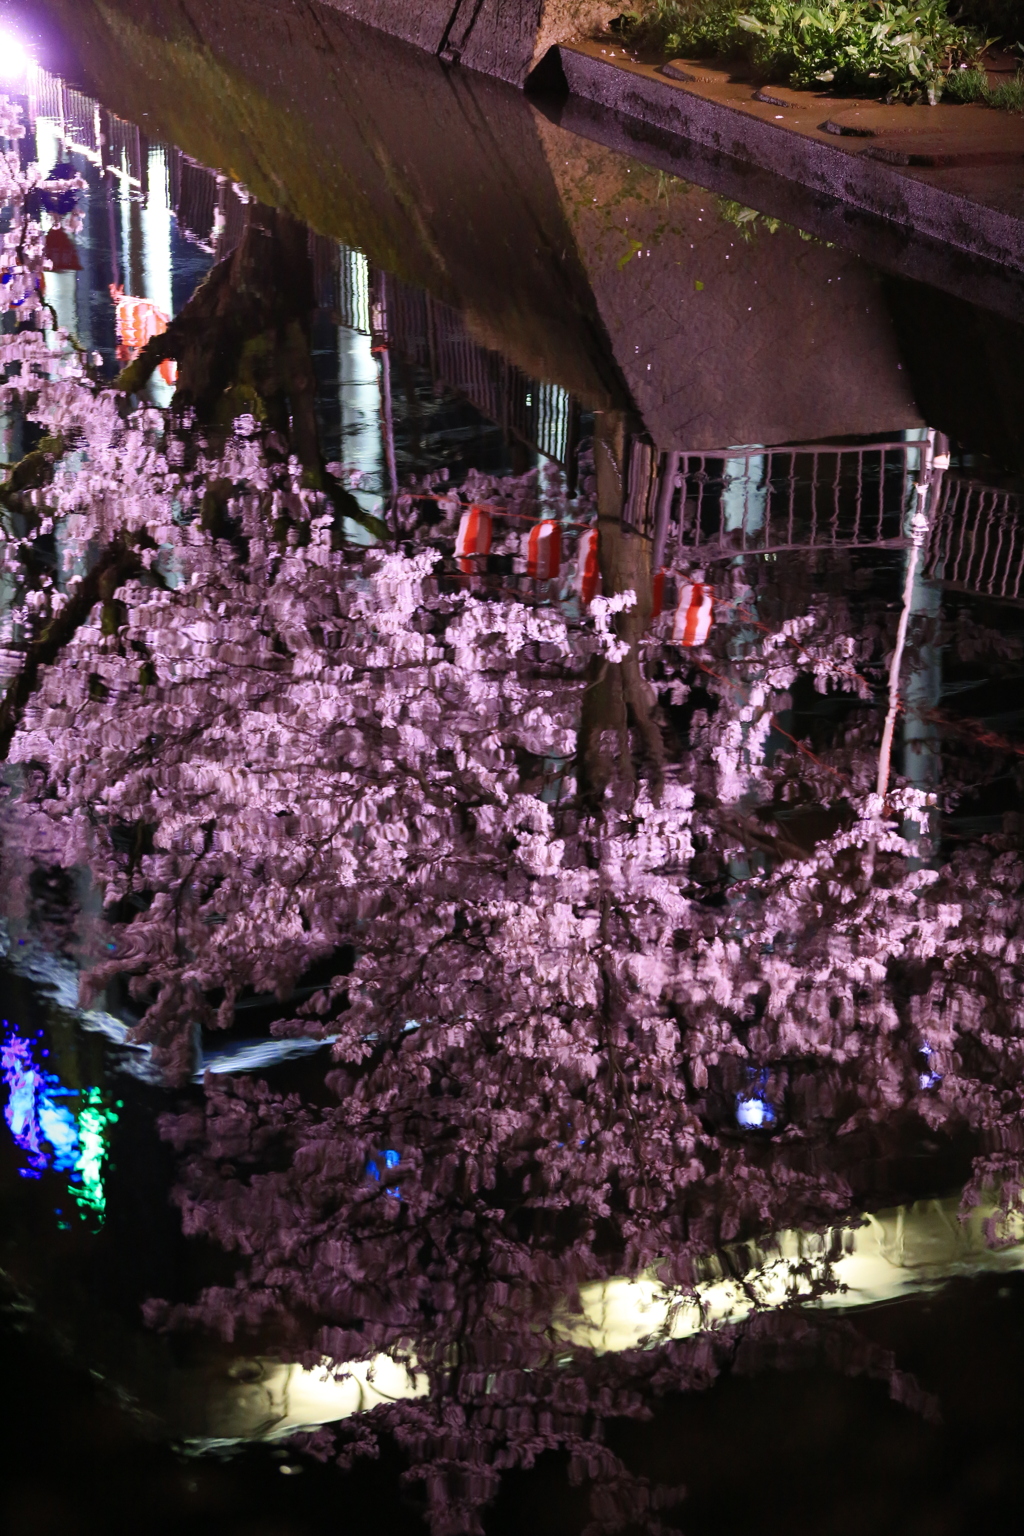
(49, 1130)
(606, 851)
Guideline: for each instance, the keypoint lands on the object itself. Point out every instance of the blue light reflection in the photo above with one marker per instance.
(57, 1128)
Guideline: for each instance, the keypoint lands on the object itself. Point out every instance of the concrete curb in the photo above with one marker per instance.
(869, 185)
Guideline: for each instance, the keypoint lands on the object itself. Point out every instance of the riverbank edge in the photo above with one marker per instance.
(896, 248)
(637, 91)
(543, 45)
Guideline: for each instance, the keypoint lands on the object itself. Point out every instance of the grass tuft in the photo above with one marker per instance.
(966, 85)
(1009, 96)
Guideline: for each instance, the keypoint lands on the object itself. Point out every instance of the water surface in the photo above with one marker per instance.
(511, 832)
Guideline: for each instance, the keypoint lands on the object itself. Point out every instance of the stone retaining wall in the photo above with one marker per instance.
(506, 38)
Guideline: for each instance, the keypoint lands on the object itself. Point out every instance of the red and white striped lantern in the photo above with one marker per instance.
(694, 614)
(473, 540)
(136, 322)
(588, 574)
(544, 551)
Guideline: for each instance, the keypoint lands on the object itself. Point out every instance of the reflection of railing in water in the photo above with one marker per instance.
(715, 505)
(210, 211)
(766, 500)
(208, 207)
(977, 541)
(433, 336)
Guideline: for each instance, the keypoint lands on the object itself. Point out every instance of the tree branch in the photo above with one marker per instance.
(114, 566)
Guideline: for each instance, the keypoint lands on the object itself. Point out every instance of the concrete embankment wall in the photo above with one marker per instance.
(438, 175)
(505, 38)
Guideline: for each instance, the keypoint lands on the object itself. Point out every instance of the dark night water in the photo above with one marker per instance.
(511, 834)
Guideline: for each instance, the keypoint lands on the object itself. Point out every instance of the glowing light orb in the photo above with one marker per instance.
(15, 59)
(754, 1113)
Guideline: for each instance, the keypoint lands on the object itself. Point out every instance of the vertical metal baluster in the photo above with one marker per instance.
(678, 511)
(983, 562)
(858, 497)
(1000, 524)
(699, 524)
(682, 476)
(814, 499)
(1010, 523)
(937, 530)
(768, 491)
(954, 516)
(963, 536)
(1020, 571)
(666, 491)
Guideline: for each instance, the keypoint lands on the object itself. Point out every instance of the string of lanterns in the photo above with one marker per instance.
(695, 602)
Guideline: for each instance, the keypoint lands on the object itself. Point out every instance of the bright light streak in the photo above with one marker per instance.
(15, 59)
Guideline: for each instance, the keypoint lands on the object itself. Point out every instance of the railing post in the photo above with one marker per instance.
(667, 474)
(919, 519)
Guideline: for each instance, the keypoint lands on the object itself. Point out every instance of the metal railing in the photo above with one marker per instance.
(433, 336)
(716, 505)
(977, 540)
(766, 500)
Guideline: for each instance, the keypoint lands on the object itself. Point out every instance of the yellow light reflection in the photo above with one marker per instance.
(894, 1254)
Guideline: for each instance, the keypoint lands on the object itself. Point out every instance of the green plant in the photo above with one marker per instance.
(903, 49)
(885, 47)
(748, 221)
(967, 85)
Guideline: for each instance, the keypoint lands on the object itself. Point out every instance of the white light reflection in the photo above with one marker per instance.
(269, 1400)
(754, 1114)
(156, 253)
(15, 59)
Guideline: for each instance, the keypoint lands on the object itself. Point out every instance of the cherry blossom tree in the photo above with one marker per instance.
(617, 974)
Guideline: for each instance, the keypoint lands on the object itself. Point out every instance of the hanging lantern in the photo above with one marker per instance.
(588, 573)
(694, 614)
(137, 321)
(474, 538)
(59, 251)
(544, 551)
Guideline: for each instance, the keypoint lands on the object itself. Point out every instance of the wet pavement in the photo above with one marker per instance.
(511, 825)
